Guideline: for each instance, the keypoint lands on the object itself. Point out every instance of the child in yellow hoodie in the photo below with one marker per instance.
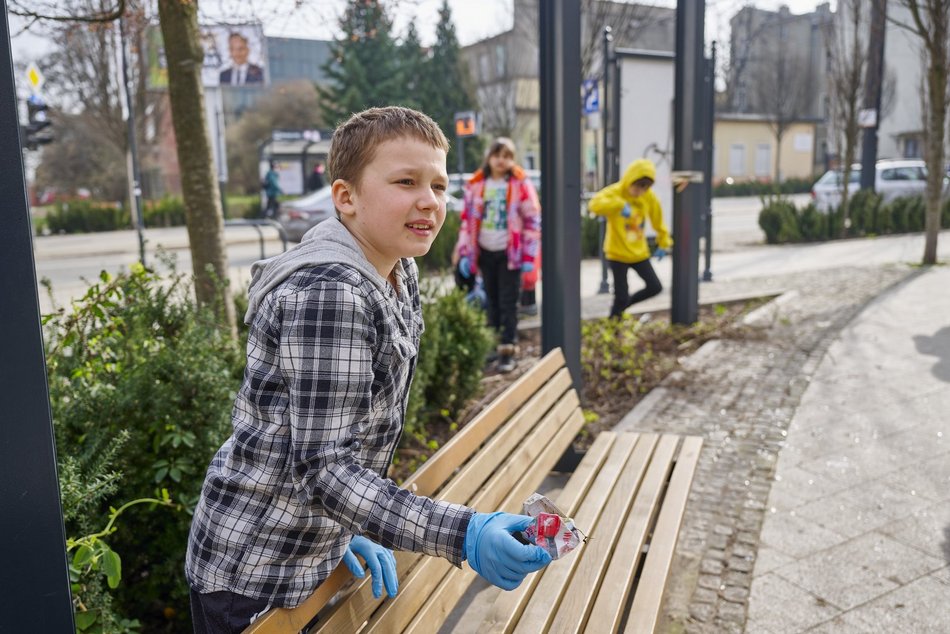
(626, 206)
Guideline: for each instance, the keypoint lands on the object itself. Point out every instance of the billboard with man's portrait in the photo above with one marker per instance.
(235, 55)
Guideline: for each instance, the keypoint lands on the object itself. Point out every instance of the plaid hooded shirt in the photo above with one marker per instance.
(330, 357)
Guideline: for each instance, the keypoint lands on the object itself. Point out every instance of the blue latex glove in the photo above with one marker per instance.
(465, 267)
(496, 555)
(626, 211)
(659, 253)
(527, 267)
(381, 562)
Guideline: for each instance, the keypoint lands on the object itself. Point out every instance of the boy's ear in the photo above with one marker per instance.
(342, 192)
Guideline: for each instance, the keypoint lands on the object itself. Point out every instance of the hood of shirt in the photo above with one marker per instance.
(327, 243)
(641, 168)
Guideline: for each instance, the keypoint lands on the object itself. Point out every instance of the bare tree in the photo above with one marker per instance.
(179, 24)
(498, 107)
(930, 21)
(780, 86)
(847, 62)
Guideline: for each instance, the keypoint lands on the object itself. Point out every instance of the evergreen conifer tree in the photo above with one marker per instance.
(363, 70)
(448, 89)
(413, 67)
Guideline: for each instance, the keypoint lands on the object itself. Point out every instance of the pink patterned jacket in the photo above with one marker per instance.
(524, 219)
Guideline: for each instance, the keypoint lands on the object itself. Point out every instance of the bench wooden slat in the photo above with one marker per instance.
(509, 606)
(611, 602)
(440, 467)
(446, 596)
(645, 611)
(575, 606)
(511, 484)
(548, 593)
(415, 585)
(464, 483)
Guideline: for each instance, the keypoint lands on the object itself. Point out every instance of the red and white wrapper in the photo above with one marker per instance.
(551, 530)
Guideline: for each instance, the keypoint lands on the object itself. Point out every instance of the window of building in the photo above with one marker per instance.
(763, 159)
(484, 67)
(911, 148)
(500, 60)
(737, 159)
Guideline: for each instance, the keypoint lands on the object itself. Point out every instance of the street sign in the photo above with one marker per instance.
(867, 118)
(466, 124)
(34, 77)
(591, 97)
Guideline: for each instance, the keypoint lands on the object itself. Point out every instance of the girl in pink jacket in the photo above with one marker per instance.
(500, 238)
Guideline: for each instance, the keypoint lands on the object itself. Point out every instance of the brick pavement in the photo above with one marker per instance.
(740, 395)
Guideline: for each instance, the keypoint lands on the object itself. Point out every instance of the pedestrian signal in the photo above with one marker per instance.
(466, 124)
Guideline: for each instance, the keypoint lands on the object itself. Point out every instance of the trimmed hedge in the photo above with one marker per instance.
(783, 222)
(757, 188)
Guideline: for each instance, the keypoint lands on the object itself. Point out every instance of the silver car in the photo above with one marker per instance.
(893, 178)
(297, 216)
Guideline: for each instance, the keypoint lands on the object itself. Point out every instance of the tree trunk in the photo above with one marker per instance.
(184, 56)
(779, 133)
(937, 80)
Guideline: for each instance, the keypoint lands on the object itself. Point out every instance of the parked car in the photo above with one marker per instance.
(297, 216)
(892, 178)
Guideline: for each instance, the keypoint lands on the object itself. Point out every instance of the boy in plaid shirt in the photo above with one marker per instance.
(335, 325)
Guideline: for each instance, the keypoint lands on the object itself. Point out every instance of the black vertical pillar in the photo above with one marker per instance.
(35, 579)
(873, 82)
(560, 39)
(688, 122)
(709, 135)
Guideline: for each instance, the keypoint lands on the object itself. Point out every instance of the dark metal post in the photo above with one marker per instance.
(461, 155)
(609, 150)
(560, 54)
(135, 191)
(710, 149)
(872, 91)
(36, 577)
(688, 157)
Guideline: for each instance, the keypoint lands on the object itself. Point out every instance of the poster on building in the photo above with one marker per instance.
(234, 55)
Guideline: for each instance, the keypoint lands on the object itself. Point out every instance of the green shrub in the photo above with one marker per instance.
(778, 219)
(862, 209)
(590, 236)
(758, 188)
(137, 357)
(813, 224)
(439, 257)
(164, 212)
(945, 215)
(86, 216)
(451, 357)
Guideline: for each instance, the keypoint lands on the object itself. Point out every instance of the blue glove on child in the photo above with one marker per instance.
(626, 211)
(659, 253)
(465, 267)
(381, 562)
(527, 267)
(496, 555)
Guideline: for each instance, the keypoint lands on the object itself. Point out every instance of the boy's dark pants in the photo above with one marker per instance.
(502, 287)
(622, 299)
(223, 612)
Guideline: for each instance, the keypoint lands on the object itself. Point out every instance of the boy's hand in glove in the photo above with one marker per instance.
(494, 553)
(659, 253)
(381, 562)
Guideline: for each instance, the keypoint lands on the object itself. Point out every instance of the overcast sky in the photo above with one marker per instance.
(474, 19)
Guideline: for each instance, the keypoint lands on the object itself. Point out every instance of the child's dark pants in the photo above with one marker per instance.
(223, 612)
(502, 287)
(622, 299)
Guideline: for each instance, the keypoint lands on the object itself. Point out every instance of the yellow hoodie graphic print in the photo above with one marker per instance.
(625, 240)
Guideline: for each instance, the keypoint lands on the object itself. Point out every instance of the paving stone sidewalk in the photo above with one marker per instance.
(740, 395)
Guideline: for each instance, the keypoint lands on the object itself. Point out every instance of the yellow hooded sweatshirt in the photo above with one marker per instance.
(626, 241)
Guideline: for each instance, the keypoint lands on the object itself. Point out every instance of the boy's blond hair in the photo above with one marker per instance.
(354, 142)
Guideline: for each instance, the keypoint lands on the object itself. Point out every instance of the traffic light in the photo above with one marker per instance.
(38, 120)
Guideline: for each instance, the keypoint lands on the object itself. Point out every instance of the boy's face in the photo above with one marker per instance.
(399, 207)
(640, 187)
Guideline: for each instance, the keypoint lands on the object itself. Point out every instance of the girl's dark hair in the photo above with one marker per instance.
(499, 144)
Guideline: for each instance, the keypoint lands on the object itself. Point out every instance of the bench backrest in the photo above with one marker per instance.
(493, 463)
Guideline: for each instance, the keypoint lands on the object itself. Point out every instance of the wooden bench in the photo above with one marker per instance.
(628, 494)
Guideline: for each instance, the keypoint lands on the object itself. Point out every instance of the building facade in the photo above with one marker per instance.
(745, 149)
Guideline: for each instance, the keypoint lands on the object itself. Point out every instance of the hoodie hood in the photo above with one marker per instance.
(327, 243)
(516, 172)
(641, 168)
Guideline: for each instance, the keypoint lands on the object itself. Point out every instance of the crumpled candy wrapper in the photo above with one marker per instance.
(551, 530)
